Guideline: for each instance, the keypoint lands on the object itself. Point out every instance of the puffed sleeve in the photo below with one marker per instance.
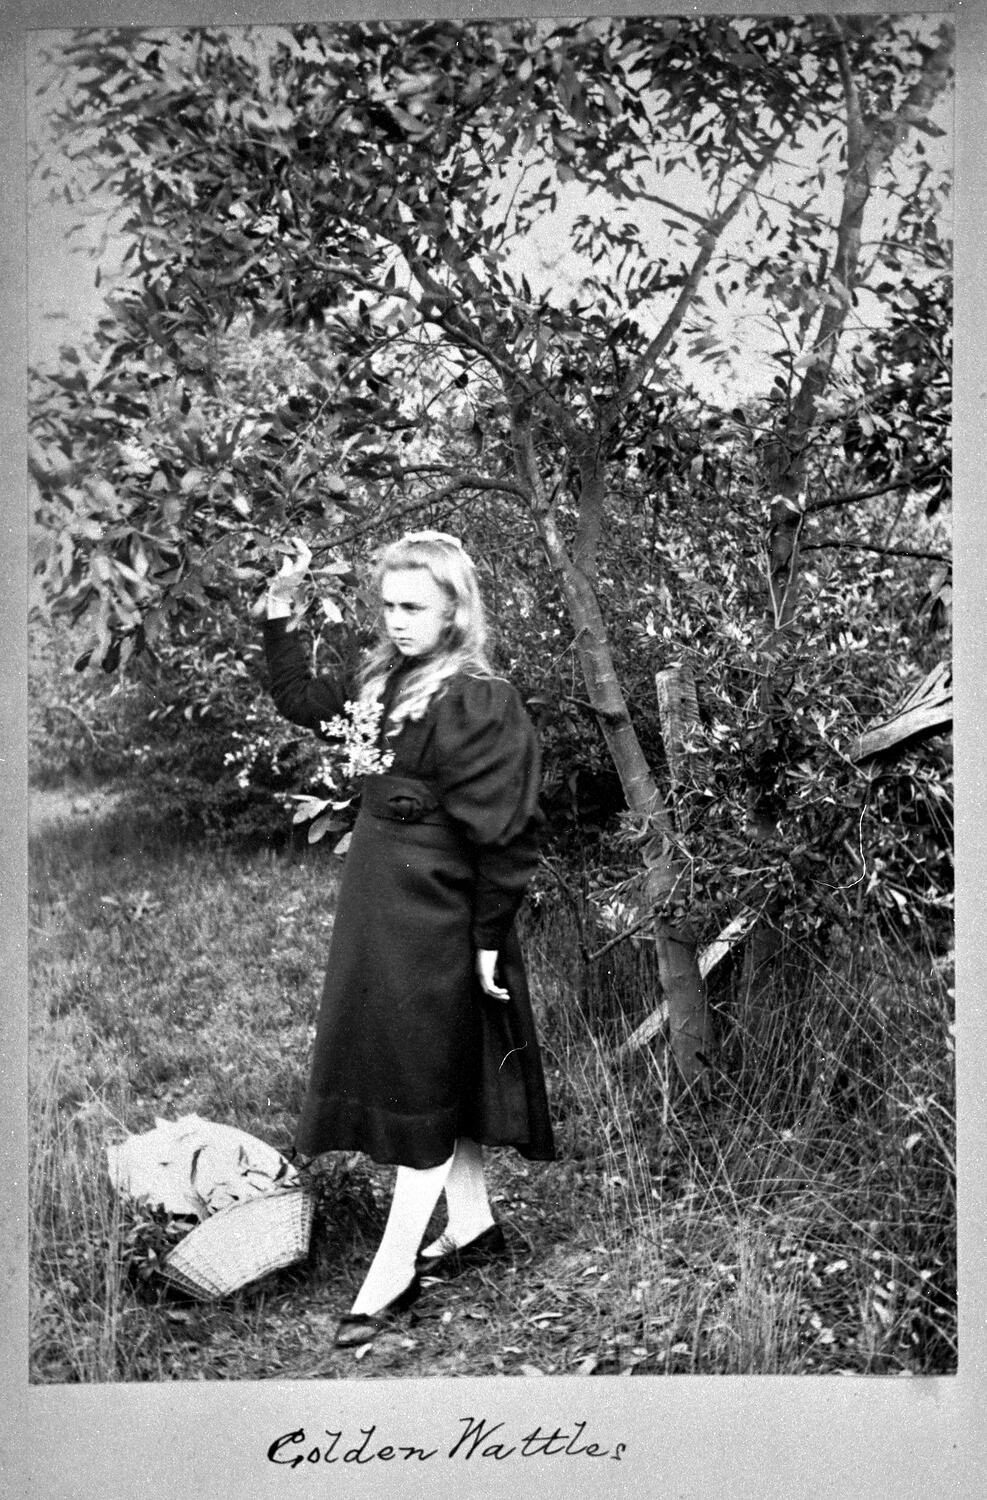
(487, 772)
(297, 694)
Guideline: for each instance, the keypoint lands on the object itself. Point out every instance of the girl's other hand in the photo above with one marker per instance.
(486, 965)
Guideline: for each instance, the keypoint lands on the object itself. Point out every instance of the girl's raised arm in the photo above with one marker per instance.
(298, 695)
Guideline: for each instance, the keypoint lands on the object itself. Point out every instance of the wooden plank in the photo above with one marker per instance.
(647, 1029)
(939, 681)
(708, 959)
(924, 711)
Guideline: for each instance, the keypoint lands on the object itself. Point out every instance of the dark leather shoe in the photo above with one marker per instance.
(486, 1246)
(355, 1329)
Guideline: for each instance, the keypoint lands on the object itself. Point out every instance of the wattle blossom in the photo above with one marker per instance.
(359, 730)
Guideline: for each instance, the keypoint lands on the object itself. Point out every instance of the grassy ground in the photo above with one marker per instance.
(802, 1224)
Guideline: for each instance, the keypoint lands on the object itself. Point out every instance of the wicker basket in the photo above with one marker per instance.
(242, 1243)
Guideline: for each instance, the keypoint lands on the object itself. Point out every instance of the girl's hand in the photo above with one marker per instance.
(486, 964)
(284, 585)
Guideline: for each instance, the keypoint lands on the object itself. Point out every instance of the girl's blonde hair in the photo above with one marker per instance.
(463, 647)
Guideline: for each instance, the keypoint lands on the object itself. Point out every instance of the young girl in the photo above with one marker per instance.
(425, 1049)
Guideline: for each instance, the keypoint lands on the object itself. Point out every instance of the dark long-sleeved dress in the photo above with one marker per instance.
(409, 1053)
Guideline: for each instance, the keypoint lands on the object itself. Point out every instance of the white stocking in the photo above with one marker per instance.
(416, 1193)
(469, 1211)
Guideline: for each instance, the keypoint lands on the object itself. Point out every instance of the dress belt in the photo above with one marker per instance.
(403, 799)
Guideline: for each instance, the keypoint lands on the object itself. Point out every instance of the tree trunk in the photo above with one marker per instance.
(870, 141)
(782, 561)
(690, 1023)
(678, 969)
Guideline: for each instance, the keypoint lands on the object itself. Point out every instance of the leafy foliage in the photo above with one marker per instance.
(367, 182)
(324, 326)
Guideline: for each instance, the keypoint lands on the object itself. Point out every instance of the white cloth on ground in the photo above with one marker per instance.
(192, 1167)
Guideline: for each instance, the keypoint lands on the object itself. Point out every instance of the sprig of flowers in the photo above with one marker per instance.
(359, 729)
(359, 755)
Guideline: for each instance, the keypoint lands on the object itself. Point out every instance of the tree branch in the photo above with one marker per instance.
(474, 481)
(914, 481)
(715, 227)
(942, 557)
(869, 144)
(493, 351)
(435, 497)
(682, 213)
